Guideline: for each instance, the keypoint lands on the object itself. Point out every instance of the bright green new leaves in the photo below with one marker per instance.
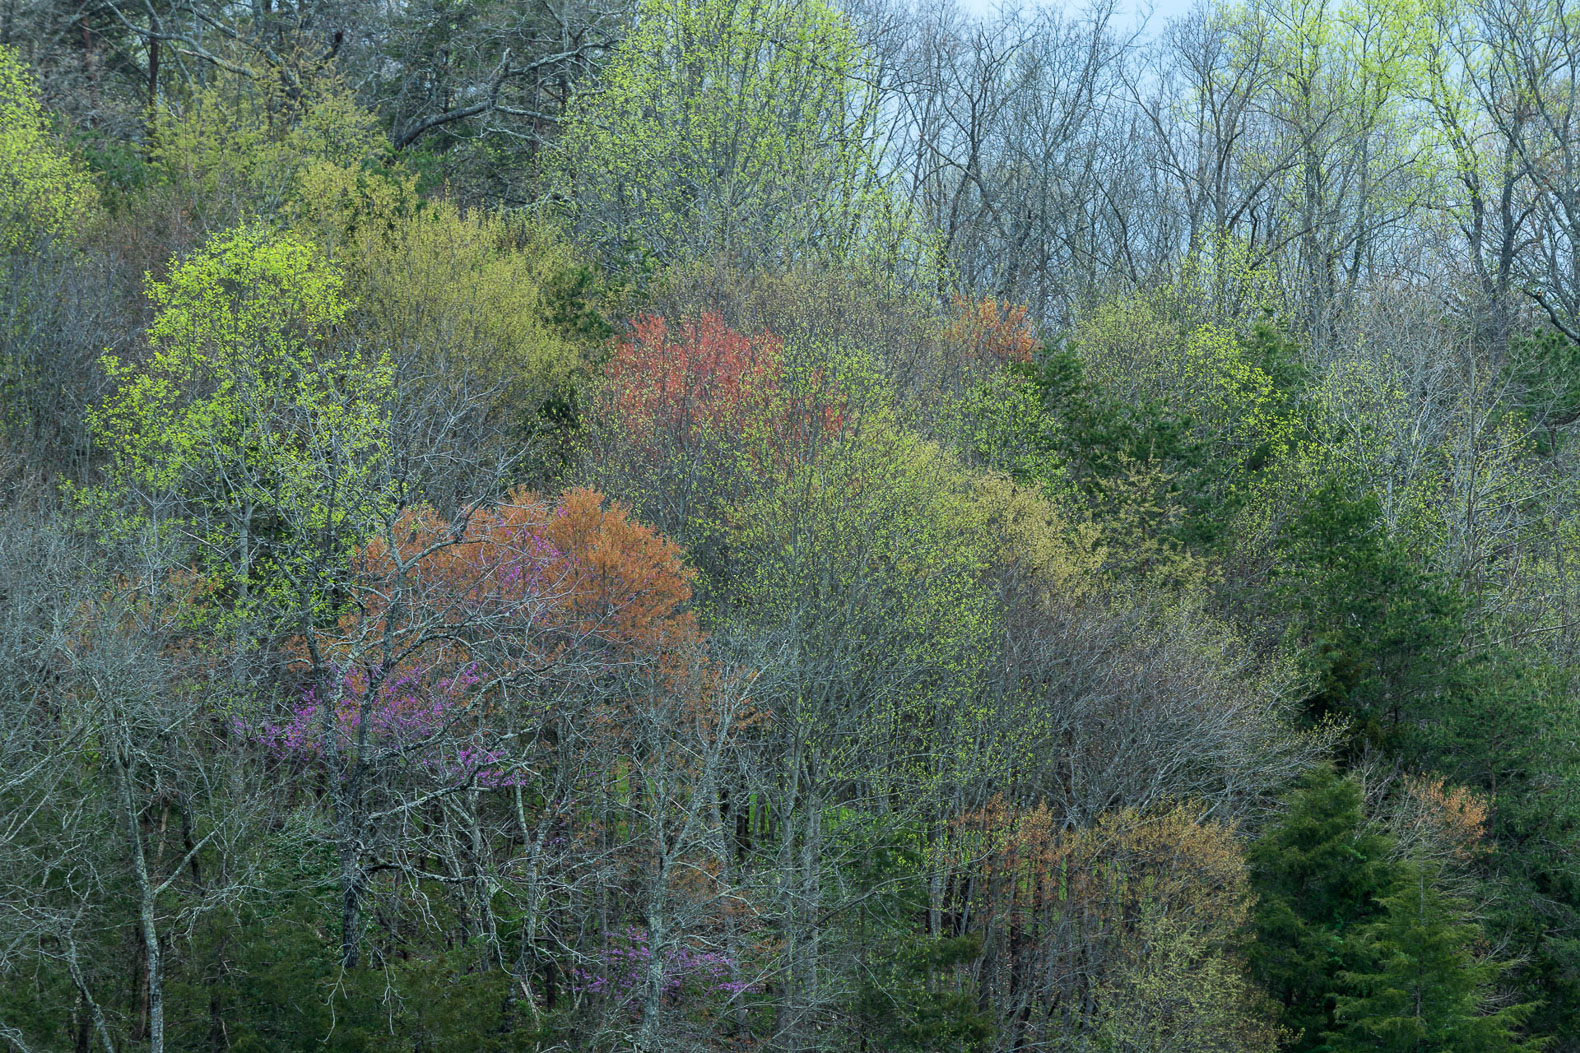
(241, 147)
(1207, 356)
(737, 126)
(43, 190)
(249, 430)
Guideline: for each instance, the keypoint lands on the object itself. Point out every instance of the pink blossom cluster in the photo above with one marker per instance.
(413, 714)
(623, 975)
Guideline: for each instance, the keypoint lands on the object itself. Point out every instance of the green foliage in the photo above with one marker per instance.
(1362, 948)
(979, 610)
(1216, 404)
(1545, 369)
(1164, 459)
(914, 992)
(1320, 876)
(1060, 560)
(1419, 985)
(1128, 466)
(277, 986)
(739, 128)
(873, 559)
(249, 430)
(887, 514)
(909, 1002)
(1381, 636)
(44, 191)
(481, 305)
(1508, 734)
(1177, 988)
(240, 146)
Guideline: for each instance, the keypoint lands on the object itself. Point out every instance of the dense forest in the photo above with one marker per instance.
(790, 525)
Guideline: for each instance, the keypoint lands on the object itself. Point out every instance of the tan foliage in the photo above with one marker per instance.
(1130, 927)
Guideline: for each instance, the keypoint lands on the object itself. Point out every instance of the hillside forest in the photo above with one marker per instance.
(801, 526)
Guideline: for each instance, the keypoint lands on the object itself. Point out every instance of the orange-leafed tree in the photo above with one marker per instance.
(575, 571)
(987, 332)
(541, 651)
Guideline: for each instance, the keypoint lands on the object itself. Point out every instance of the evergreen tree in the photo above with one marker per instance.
(1420, 988)
(1381, 635)
(1320, 877)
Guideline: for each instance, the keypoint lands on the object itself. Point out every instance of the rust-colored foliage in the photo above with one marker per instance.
(675, 389)
(991, 333)
(1442, 818)
(624, 581)
(1030, 865)
(568, 592)
(698, 378)
(580, 567)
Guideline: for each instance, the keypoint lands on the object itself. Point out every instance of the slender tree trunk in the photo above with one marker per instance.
(145, 895)
(649, 1038)
(95, 1012)
(350, 885)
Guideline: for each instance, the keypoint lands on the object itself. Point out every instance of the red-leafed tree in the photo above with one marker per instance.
(694, 414)
(681, 386)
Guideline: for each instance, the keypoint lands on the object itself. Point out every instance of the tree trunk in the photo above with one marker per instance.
(145, 896)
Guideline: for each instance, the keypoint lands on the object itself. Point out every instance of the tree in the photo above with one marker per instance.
(250, 437)
(240, 147)
(44, 192)
(48, 208)
(477, 312)
(1528, 58)
(745, 129)
(694, 417)
(1419, 985)
(517, 703)
(484, 87)
(1127, 932)
(864, 572)
(1009, 149)
(1321, 877)
(1382, 636)
(132, 819)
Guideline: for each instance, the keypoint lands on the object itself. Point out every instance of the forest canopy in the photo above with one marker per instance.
(843, 526)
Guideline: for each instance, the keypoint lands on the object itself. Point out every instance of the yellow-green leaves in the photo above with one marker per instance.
(456, 297)
(1061, 562)
(249, 430)
(44, 192)
(245, 288)
(874, 561)
(241, 146)
(744, 128)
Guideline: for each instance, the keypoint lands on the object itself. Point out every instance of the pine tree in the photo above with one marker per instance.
(1321, 877)
(1380, 633)
(1420, 987)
